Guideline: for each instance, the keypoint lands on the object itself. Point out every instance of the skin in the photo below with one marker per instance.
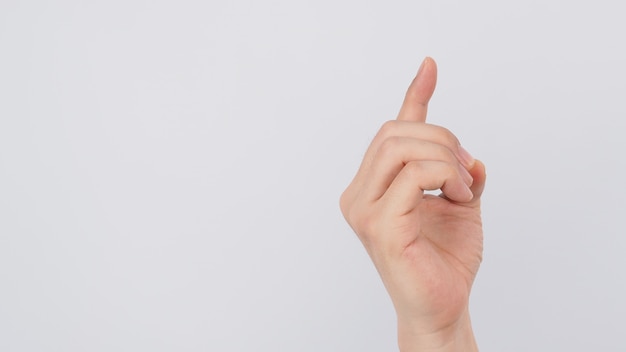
(427, 249)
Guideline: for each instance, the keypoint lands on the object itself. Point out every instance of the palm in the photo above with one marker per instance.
(443, 250)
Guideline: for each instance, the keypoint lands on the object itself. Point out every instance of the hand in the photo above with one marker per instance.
(427, 249)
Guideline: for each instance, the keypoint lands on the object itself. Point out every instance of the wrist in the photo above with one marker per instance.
(456, 337)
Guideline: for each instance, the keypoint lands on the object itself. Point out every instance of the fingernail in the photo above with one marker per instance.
(466, 158)
(469, 194)
(422, 66)
(467, 177)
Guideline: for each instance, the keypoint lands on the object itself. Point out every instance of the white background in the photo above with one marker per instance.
(170, 171)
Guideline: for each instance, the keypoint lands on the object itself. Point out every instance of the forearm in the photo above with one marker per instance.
(458, 337)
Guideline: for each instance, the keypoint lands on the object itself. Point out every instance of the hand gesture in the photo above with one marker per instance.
(426, 248)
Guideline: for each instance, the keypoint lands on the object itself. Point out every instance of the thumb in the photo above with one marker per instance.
(415, 103)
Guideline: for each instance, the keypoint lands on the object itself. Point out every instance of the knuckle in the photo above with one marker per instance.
(413, 169)
(449, 137)
(388, 128)
(389, 145)
(449, 155)
(454, 177)
(453, 172)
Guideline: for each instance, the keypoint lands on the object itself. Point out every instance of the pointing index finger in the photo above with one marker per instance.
(415, 103)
